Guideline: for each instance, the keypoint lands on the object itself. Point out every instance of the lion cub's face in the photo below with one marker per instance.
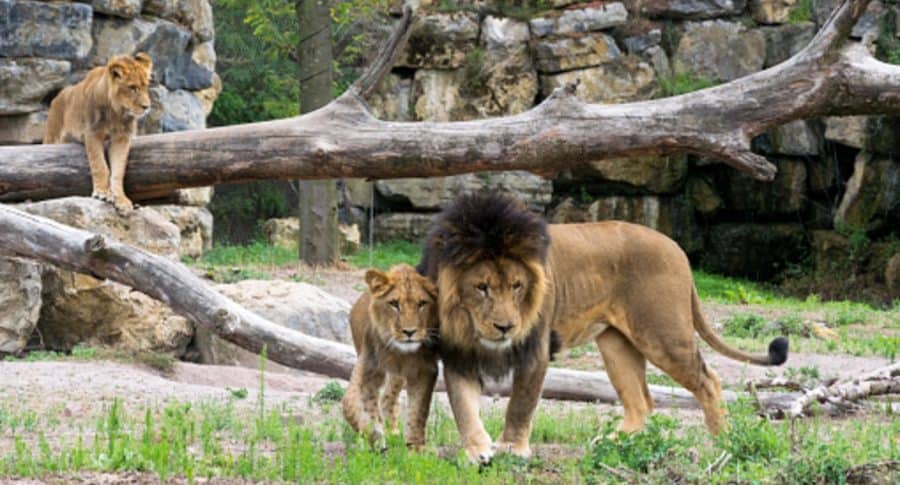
(402, 307)
(130, 82)
(494, 294)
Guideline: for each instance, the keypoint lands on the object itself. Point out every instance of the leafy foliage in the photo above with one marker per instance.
(635, 450)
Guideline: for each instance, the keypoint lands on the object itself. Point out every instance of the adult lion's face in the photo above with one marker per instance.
(130, 83)
(492, 303)
(403, 307)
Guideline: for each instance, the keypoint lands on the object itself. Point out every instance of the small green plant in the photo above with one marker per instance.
(385, 255)
(164, 363)
(637, 451)
(331, 392)
(83, 352)
(791, 325)
(750, 438)
(802, 12)
(475, 73)
(585, 196)
(682, 84)
(240, 393)
(745, 325)
(806, 376)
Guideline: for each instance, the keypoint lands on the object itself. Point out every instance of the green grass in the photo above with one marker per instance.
(682, 84)
(257, 253)
(155, 360)
(385, 255)
(802, 12)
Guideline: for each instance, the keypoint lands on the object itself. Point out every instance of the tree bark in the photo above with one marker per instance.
(33, 237)
(829, 77)
(318, 243)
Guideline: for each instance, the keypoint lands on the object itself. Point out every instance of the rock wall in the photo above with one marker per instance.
(467, 60)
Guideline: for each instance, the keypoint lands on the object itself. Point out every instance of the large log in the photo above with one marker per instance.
(828, 77)
(33, 237)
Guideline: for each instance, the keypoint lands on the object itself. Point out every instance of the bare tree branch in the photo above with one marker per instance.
(828, 77)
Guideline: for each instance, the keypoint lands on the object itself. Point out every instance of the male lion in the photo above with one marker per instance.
(394, 326)
(505, 281)
(101, 112)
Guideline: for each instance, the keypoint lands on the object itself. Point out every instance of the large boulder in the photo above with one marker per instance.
(756, 251)
(298, 306)
(623, 79)
(167, 43)
(285, 232)
(874, 133)
(784, 195)
(22, 129)
(391, 100)
(406, 226)
(196, 14)
(567, 53)
(719, 50)
(691, 9)
(797, 138)
(195, 225)
(56, 30)
(20, 303)
(656, 174)
(81, 309)
(120, 8)
(440, 41)
(771, 11)
(783, 41)
(703, 196)
(434, 193)
(581, 20)
(172, 111)
(871, 199)
(27, 82)
(672, 216)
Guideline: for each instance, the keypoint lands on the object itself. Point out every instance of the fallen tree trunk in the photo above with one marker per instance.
(828, 77)
(29, 236)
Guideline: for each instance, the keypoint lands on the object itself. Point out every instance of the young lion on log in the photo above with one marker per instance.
(101, 112)
(394, 326)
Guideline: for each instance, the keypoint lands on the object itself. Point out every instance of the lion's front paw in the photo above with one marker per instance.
(377, 439)
(123, 205)
(480, 455)
(522, 450)
(102, 195)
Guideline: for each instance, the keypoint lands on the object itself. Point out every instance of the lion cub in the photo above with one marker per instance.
(394, 326)
(101, 112)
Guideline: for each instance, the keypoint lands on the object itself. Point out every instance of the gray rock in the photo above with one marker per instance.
(567, 53)
(755, 251)
(26, 82)
(209, 95)
(434, 193)
(656, 56)
(81, 309)
(637, 43)
(282, 231)
(567, 211)
(784, 195)
(623, 79)
(391, 101)
(703, 196)
(196, 14)
(195, 196)
(719, 50)
(502, 33)
(576, 21)
(358, 192)
(172, 111)
(671, 216)
(656, 174)
(402, 226)
(43, 29)
(20, 303)
(120, 8)
(879, 134)
(783, 41)
(771, 11)
(22, 129)
(440, 41)
(795, 138)
(691, 9)
(167, 44)
(195, 225)
(871, 199)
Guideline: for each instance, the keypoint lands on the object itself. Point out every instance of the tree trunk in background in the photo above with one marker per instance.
(318, 198)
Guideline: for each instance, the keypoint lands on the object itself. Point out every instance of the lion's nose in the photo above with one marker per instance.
(503, 327)
(408, 333)
(145, 105)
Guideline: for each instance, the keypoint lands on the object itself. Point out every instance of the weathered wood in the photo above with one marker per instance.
(828, 77)
(844, 394)
(33, 237)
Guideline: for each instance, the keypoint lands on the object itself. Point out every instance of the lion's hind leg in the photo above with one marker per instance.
(626, 368)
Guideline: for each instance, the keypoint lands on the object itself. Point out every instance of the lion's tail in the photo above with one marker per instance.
(778, 348)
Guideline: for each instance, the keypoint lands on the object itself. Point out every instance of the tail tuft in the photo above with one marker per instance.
(778, 351)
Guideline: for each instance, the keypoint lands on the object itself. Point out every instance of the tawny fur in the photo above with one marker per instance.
(397, 301)
(624, 286)
(101, 112)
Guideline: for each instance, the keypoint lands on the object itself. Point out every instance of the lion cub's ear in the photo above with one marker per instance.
(116, 69)
(377, 281)
(144, 60)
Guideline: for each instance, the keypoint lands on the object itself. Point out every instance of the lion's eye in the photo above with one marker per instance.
(134, 89)
(517, 286)
(422, 304)
(482, 288)
(394, 304)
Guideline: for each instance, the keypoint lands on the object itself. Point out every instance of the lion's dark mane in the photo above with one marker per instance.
(478, 227)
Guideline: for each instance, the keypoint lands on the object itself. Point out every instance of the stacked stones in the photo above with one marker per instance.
(472, 63)
(45, 47)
